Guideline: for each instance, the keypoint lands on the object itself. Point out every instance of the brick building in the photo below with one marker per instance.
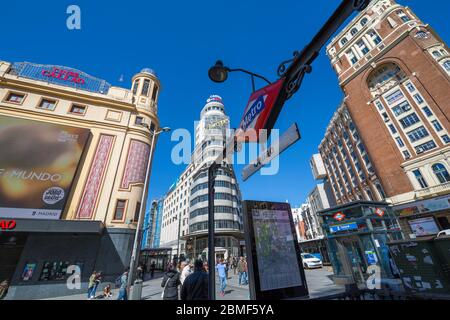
(395, 73)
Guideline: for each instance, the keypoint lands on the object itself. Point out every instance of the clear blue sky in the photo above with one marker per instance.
(181, 40)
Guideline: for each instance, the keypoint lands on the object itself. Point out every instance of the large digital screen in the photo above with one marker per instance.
(273, 251)
(424, 227)
(38, 162)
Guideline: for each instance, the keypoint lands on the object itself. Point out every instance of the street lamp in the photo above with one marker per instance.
(136, 250)
(219, 73)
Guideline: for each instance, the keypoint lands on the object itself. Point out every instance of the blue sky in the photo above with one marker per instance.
(181, 40)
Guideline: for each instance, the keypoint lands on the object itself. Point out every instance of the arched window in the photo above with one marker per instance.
(385, 77)
(344, 41)
(354, 31)
(364, 21)
(437, 54)
(447, 65)
(441, 173)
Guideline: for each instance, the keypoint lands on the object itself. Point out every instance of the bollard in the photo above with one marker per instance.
(136, 293)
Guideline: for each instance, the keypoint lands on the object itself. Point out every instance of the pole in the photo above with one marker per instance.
(211, 232)
(143, 201)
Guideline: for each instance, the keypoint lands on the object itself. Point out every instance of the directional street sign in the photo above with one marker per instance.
(291, 136)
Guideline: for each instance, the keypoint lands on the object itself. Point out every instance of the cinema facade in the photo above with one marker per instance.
(74, 153)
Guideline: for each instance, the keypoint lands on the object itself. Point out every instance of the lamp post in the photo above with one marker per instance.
(136, 250)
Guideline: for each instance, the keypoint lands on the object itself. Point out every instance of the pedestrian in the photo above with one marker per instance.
(4, 285)
(221, 272)
(245, 272)
(123, 291)
(140, 272)
(170, 283)
(91, 284)
(98, 279)
(195, 286)
(205, 267)
(234, 264)
(107, 291)
(185, 271)
(241, 270)
(152, 269)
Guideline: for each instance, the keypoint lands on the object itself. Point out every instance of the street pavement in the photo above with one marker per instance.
(318, 280)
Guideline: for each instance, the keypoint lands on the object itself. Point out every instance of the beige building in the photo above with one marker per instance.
(88, 211)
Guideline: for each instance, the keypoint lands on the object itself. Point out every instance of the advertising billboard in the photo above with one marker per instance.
(275, 266)
(38, 162)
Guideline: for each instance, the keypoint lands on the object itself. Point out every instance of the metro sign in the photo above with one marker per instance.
(339, 216)
(258, 111)
(7, 224)
(379, 212)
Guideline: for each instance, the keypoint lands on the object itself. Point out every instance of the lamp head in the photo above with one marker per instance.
(218, 73)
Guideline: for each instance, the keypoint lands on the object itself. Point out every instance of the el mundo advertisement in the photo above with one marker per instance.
(38, 162)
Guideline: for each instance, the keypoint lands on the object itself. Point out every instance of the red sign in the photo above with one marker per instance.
(258, 111)
(339, 216)
(62, 74)
(7, 224)
(379, 212)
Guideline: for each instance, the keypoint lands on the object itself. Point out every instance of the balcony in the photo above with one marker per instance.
(433, 191)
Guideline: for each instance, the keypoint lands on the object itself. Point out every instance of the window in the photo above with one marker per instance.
(401, 108)
(76, 109)
(344, 41)
(364, 21)
(393, 129)
(406, 154)
(155, 92)
(385, 116)
(402, 15)
(446, 138)
(137, 212)
(427, 111)
(135, 86)
(351, 56)
(120, 210)
(418, 134)
(380, 191)
(410, 87)
(430, 145)
(139, 121)
(375, 37)
(388, 73)
(15, 98)
(437, 54)
(362, 46)
(418, 98)
(47, 104)
(420, 179)
(354, 31)
(410, 120)
(421, 35)
(400, 142)
(379, 105)
(441, 173)
(146, 87)
(447, 65)
(437, 125)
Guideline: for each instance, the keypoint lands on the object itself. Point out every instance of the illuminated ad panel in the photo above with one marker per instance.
(38, 162)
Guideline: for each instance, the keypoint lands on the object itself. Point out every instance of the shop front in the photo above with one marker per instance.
(357, 235)
(424, 218)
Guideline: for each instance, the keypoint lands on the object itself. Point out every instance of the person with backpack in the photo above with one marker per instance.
(170, 283)
(195, 286)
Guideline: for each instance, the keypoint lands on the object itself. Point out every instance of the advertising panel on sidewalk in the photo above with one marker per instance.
(38, 162)
(275, 266)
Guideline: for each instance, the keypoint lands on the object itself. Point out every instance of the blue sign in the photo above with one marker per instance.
(63, 76)
(344, 227)
(254, 111)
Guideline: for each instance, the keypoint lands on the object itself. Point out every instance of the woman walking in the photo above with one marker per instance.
(170, 283)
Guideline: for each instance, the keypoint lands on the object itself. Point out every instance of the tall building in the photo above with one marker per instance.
(152, 225)
(395, 72)
(320, 198)
(185, 220)
(74, 153)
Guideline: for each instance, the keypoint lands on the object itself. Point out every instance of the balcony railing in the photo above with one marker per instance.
(433, 191)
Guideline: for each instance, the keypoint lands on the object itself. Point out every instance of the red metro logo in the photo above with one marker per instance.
(339, 216)
(7, 224)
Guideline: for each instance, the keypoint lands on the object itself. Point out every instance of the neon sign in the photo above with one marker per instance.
(8, 224)
(65, 75)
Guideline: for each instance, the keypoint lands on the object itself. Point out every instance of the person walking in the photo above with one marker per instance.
(97, 280)
(91, 284)
(245, 272)
(185, 271)
(4, 285)
(123, 291)
(241, 270)
(170, 283)
(222, 273)
(234, 264)
(152, 270)
(195, 286)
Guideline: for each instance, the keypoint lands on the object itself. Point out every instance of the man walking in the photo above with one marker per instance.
(123, 294)
(152, 269)
(241, 269)
(222, 273)
(195, 286)
(91, 284)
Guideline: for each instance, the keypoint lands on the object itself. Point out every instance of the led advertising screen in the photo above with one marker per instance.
(274, 251)
(38, 162)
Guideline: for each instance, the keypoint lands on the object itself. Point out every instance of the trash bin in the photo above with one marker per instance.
(136, 293)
